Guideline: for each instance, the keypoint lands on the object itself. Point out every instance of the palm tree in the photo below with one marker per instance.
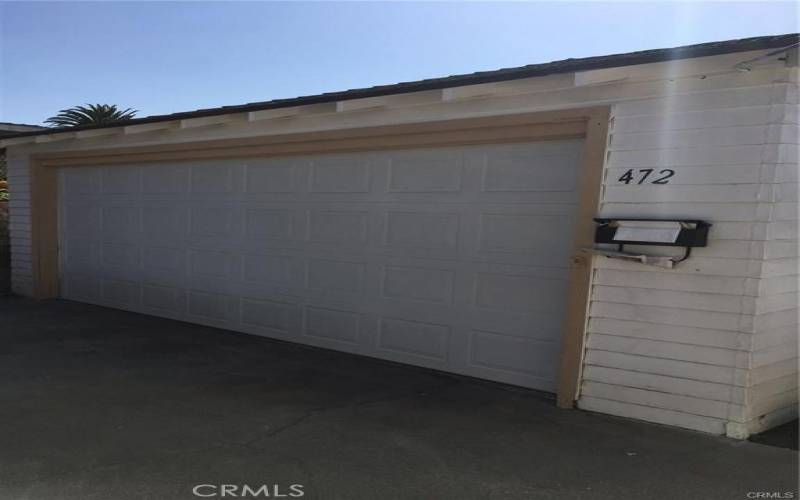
(91, 114)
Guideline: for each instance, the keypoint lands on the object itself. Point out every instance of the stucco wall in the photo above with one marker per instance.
(705, 346)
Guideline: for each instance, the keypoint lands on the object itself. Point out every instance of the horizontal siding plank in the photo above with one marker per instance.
(670, 316)
(781, 369)
(668, 367)
(670, 281)
(22, 286)
(775, 354)
(670, 333)
(775, 319)
(712, 155)
(779, 284)
(722, 136)
(781, 249)
(722, 193)
(785, 192)
(784, 133)
(715, 212)
(777, 302)
(786, 113)
(12, 203)
(756, 231)
(656, 415)
(784, 211)
(19, 194)
(670, 385)
(781, 153)
(786, 172)
(736, 304)
(783, 335)
(668, 350)
(754, 115)
(782, 230)
(774, 387)
(697, 266)
(674, 402)
(780, 267)
(712, 99)
(786, 401)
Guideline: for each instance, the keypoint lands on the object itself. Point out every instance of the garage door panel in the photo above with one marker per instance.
(79, 255)
(404, 338)
(332, 326)
(81, 219)
(513, 174)
(545, 326)
(162, 260)
(81, 286)
(120, 258)
(282, 318)
(120, 292)
(342, 227)
(512, 292)
(450, 258)
(217, 307)
(268, 224)
(529, 234)
(164, 220)
(421, 230)
(269, 270)
(328, 275)
(340, 174)
(122, 221)
(165, 299)
(426, 172)
(506, 353)
(79, 182)
(121, 181)
(218, 178)
(274, 176)
(215, 220)
(419, 284)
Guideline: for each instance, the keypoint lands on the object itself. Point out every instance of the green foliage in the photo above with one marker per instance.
(90, 114)
(3, 175)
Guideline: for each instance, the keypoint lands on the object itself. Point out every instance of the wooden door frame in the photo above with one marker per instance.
(591, 124)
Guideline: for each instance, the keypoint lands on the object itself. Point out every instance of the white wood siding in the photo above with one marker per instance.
(20, 223)
(774, 363)
(710, 345)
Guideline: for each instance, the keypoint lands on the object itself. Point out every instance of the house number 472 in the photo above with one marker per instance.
(641, 175)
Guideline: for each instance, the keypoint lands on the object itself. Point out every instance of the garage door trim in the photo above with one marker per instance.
(589, 123)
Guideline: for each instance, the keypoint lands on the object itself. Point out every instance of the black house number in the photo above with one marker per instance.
(642, 174)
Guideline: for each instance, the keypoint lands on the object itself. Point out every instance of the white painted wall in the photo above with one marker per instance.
(19, 221)
(710, 345)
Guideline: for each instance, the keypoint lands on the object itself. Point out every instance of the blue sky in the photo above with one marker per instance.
(161, 57)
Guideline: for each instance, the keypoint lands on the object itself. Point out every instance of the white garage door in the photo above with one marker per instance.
(450, 258)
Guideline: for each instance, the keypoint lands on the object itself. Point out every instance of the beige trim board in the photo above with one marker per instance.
(580, 274)
(591, 123)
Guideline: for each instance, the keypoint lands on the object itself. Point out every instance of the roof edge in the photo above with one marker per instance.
(529, 71)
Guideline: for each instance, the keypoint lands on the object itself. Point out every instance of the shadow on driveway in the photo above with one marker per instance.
(104, 404)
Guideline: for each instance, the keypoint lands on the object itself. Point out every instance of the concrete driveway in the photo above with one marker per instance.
(103, 404)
